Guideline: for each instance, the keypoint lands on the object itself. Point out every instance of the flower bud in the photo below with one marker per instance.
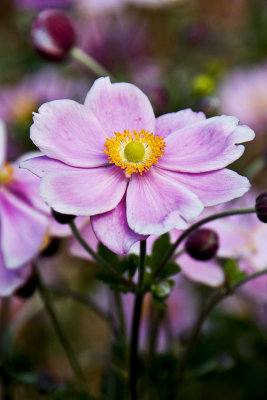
(28, 289)
(202, 244)
(261, 207)
(62, 218)
(53, 34)
(162, 290)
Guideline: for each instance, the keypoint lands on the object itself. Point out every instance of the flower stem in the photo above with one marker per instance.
(136, 322)
(199, 323)
(45, 296)
(128, 284)
(122, 325)
(192, 228)
(85, 59)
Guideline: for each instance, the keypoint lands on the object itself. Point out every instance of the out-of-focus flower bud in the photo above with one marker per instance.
(28, 289)
(162, 290)
(203, 85)
(52, 248)
(261, 207)
(62, 218)
(53, 34)
(202, 244)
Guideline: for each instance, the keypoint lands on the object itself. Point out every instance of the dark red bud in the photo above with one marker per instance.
(202, 244)
(53, 34)
(261, 207)
(62, 218)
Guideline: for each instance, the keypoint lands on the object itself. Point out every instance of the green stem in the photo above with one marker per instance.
(193, 227)
(136, 322)
(199, 323)
(128, 284)
(85, 59)
(255, 167)
(45, 296)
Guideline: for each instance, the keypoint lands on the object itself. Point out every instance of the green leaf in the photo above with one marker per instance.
(160, 248)
(232, 270)
(110, 257)
(170, 269)
(129, 264)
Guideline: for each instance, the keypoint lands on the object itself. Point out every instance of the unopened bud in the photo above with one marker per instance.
(162, 290)
(261, 207)
(28, 289)
(62, 218)
(53, 34)
(202, 244)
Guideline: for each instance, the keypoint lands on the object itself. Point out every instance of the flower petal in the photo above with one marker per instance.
(171, 122)
(11, 280)
(120, 106)
(206, 272)
(84, 191)
(22, 230)
(2, 143)
(42, 165)
(205, 146)
(156, 203)
(112, 229)
(69, 132)
(216, 187)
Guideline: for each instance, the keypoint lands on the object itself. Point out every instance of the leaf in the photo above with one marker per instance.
(160, 248)
(232, 271)
(170, 269)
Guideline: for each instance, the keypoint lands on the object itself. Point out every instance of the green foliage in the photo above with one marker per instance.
(232, 271)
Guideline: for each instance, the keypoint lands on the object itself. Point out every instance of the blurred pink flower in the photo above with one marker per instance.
(101, 159)
(41, 4)
(243, 93)
(22, 227)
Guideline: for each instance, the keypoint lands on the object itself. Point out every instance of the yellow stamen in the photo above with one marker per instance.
(6, 174)
(135, 152)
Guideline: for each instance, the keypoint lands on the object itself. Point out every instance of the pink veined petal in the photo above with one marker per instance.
(112, 229)
(84, 192)
(69, 132)
(120, 106)
(205, 146)
(89, 236)
(22, 230)
(214, 187)
(156, 203)
(2, 143)
(171, 122)
(12, 279)
(206, 272)
(43, 165)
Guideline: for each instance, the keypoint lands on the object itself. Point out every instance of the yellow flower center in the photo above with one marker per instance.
(6, 174)
(134, 152)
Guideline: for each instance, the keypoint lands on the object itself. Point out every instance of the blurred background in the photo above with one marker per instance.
(208, 55)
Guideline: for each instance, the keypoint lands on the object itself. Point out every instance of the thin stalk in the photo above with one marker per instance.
(4, 348)
(122, 324)
(136, 322)
(45, 296)
(199, 323)
(89, 62)
(129, 285)
(193, 227)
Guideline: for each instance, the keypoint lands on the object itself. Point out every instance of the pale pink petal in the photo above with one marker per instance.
(2, 143)
(206, 272)
(84, 192)
(11, 280)
(113, 231)
(69, 132)
(205, 146)
(43, 165)
(156, 203)
(88, 235)
(22, 230)
(217, 187)
(120, 106)
(169, 123)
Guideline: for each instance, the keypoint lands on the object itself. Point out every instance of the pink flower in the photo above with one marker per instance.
(244, 93)
(22, 227)
(135, 175)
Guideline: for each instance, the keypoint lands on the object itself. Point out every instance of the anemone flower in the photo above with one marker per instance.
(135, 175)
